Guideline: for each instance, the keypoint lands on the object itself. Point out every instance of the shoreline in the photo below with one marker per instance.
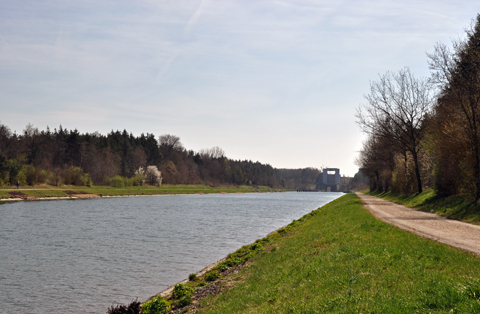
(56, 198)
(167, 293)
(106, 192)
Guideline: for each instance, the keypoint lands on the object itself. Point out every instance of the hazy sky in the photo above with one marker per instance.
(273, 81)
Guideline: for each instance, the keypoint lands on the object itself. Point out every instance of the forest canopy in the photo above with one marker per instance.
(119, 158)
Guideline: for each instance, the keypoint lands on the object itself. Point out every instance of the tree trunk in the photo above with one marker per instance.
(405, 183)
(476, 150)
(417, 172)
(476, 169)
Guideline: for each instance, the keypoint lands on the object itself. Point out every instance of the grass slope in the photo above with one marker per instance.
(45, 191)
(453, 207)
(339, 259)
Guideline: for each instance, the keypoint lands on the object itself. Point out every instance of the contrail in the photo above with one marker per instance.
(166, 66)
(195, 16)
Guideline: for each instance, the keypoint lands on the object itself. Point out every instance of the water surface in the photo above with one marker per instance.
(81, 256)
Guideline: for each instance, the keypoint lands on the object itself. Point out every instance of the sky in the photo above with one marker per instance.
(265, 80)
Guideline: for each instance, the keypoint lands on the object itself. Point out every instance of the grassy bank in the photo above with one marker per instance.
(453, 207)
(45, 191)
(340, 259)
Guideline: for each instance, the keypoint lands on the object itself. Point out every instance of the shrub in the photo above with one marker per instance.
(128, 182)
(117, 182)
(156, 306)
(255, 246)
(76, 176)
(21, 177)
(181, 290)
(212, 276)
(183, 294)
(185, 300)
(139, 177)
(87, 180)
(192, 277)
(42, 176)
(137, 181)
(29, 174)
(55, 177)
(132, 308)
(72, 175)
(153, 176)
(15, 166)
(232, 261)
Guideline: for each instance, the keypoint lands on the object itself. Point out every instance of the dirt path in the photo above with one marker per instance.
(431, 226)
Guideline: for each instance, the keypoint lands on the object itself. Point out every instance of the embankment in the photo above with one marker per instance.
(340, 259)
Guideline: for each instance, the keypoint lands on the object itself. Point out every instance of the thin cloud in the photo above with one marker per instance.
(196, 15)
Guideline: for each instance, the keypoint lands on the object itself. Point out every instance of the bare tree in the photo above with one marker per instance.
(169, 145)
(397, 106)
(212, 153)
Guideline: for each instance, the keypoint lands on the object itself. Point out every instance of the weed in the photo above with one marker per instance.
(212, 276)
(156, 306)
(472, 290)
(180, 290)
(132, 308)
(184, 301)
(192, 277)
(223, 267)
(255, 246)
(232, 262)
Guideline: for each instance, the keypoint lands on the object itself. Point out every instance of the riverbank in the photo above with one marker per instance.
(47, 192)
(340, 259)
(114, 250)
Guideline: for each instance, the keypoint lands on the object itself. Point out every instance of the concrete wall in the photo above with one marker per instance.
(331, 178)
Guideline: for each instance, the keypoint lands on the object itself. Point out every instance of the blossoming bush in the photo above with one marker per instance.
(153, 176)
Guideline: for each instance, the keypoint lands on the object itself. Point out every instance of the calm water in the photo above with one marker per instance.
(82, 256)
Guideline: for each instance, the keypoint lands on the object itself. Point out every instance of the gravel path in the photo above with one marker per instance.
(431, 226)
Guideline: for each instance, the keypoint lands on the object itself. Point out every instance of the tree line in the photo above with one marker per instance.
(61, 156)
(425, 132)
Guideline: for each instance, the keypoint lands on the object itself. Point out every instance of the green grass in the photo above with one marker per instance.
(453, 207)
(44, 191)
(340, 259)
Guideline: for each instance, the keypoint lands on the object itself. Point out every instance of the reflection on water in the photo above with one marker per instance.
(82, 256)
